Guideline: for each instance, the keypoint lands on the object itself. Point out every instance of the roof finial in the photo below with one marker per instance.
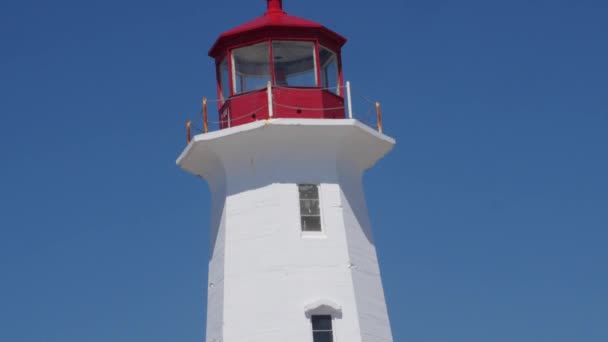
(275, 6)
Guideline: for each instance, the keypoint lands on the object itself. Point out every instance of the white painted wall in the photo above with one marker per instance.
(264, 273)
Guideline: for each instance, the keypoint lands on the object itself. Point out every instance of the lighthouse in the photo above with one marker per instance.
(292, 255)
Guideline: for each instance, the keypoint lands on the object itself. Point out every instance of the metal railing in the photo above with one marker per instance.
(225, 119)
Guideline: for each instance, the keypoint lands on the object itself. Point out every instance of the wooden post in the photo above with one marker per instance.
(379, 117)
(205, 120)
(188, 134)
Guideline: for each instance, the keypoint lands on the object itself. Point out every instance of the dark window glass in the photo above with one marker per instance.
(311, 223)
(310, 213)
(322, 336)
(309, 191)
(309, 207)
(321, 322)
(321, 328)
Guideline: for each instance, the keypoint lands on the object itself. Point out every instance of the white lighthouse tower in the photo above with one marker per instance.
(292, 254)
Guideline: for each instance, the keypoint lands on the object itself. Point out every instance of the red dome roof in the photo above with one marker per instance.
(275, 20)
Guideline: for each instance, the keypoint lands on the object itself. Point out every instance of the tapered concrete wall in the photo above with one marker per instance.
(265, 275)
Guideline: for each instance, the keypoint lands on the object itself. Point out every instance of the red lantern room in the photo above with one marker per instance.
(281, 66)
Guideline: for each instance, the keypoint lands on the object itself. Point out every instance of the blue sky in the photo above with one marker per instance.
(490, 216)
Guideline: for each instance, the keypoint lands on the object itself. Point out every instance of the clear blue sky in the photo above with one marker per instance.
(490, 216)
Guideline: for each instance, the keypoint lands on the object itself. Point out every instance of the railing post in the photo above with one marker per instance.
(270, 107)
(379, 117)
(188, 134)
(205, 119)
(349, 100)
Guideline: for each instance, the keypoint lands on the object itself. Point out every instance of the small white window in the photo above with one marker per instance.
(322, 330)
(310, 213)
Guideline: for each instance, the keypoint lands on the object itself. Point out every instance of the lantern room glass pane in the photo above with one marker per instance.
(251, 67)
(329, 70)
(294, 63)
(224, 79)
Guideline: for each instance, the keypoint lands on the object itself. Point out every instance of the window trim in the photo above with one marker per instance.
(323, 306)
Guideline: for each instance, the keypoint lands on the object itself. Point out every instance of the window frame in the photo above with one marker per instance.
(317, 46)
(232, 68)
(321, 230)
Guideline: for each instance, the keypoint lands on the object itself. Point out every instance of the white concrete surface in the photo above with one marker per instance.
(265, 276)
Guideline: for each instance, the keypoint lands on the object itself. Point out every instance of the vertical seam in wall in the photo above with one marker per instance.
(224, 226)
(346, 241)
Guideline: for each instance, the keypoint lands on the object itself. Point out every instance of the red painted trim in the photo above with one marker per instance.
(291, 39)
(245, 44)
(277, 33)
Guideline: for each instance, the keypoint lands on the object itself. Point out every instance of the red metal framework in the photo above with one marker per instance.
(304, 102)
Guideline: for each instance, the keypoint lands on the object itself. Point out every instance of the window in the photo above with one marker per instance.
(294, 63)
(310, 214)
(224, 80)
(321, 328)
(251, 67)
(329, 70)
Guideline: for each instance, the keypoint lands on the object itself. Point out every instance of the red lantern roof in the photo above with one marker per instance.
(275, 22)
